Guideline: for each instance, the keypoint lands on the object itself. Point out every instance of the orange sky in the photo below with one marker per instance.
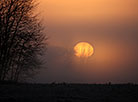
(89, 9)
(111, 26)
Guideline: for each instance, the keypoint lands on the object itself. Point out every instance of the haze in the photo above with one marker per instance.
(111, 26)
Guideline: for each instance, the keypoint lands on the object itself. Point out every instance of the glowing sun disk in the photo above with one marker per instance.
(83, 49)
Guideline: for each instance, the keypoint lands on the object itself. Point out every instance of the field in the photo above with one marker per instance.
(68, 93)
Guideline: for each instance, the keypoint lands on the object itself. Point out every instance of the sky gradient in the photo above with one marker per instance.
(111, 26)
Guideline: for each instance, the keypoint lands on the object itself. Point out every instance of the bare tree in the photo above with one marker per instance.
(21, 39)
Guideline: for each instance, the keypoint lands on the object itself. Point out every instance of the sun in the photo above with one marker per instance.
(84, 49)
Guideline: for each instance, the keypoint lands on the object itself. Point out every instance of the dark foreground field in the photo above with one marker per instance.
(68, 93)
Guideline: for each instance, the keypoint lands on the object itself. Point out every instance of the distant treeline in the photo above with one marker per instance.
(68, 93)
(21, 39)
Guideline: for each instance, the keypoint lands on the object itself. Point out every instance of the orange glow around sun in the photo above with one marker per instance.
(83, 49)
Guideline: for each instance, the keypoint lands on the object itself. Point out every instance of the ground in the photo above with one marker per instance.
(68, 93)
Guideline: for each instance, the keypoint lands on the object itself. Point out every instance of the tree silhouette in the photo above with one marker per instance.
(21, 39)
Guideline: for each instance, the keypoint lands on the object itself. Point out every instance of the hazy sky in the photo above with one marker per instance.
(111, 26)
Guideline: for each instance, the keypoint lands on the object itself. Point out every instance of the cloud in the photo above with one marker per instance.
(63, 66)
